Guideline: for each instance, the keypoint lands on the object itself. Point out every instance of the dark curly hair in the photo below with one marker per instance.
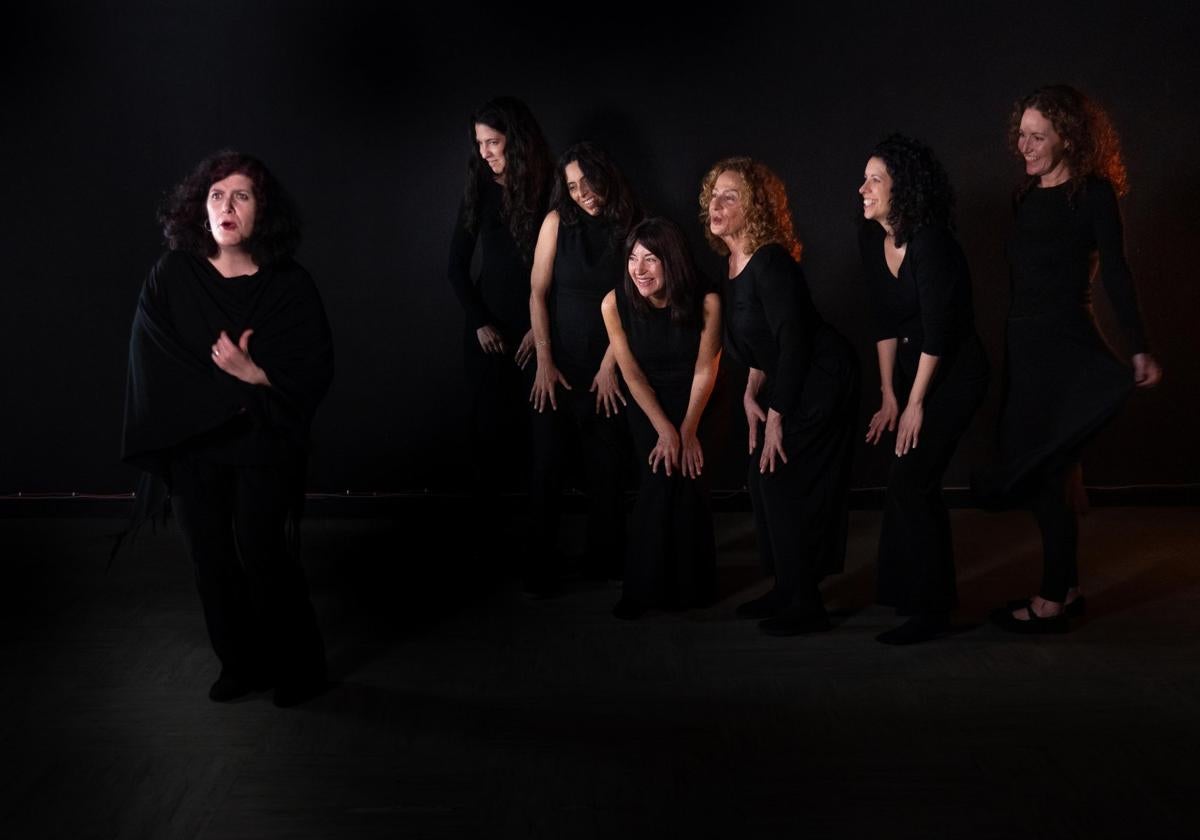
(921, 192)
(768, 218)
(1090, 143)
(619, 204)
(681, 280)
(528, 170)
(183, 213)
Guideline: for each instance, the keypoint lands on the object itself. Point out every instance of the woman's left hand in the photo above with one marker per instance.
(235, 359)
(1146, 371)
(772, 442)
(665, 451)
(910, 428)
(692, 456)
(607, 388)
(524, 350)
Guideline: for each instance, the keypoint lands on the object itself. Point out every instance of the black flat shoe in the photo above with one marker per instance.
(765, 606)
(1005, 620)
(795, 625)
(1072, 609)
(228, 688)
(627, 610)
(919, 628)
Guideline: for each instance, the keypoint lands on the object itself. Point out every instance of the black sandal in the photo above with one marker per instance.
(1005, 620)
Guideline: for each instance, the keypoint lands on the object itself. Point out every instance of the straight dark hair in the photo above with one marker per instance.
(681, 279)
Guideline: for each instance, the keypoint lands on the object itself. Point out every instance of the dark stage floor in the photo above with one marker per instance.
(471, 711)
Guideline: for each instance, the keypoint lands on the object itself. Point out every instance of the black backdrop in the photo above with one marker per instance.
(361, 110)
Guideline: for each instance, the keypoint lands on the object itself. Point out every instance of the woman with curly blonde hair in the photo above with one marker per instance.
(1063, 383)
(801, 394)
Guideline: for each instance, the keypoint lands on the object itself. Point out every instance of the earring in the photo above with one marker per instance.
(206, 227)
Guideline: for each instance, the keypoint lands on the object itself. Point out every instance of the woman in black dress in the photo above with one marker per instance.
(229, 357)
(929, 353)
(802, 390)
(509, 174)
(665, 332)
(577, 262)
(1063, 383)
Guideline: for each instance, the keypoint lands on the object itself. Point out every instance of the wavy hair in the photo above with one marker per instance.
(618, 202)
(1091, 146)
(528, 170)
(183, 212)
(768, 218)
(681, 279)
(921, 191)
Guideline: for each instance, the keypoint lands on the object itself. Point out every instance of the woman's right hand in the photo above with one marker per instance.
(544, 380)
(666, 451)
(884, 419)
(754, 416)
(490, 339)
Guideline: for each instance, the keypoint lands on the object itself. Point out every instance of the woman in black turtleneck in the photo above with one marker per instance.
(576, 391)
(1063, 384)
(509, 171)
(933, 374)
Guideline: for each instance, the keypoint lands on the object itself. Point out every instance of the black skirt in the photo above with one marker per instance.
(1062, 385)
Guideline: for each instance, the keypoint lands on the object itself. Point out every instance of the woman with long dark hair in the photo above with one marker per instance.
(1063, 383)
(229, 357)
(801, 394)
(576, 394)
(933, 373)
(664, 327)
(509, 174)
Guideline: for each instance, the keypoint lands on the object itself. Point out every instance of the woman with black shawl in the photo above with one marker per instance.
(229, 357)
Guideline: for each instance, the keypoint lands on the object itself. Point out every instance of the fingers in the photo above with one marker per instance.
(244, 341)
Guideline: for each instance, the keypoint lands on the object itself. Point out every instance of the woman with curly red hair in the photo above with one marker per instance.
(1063, 382)
(929, 355)
(801, 394)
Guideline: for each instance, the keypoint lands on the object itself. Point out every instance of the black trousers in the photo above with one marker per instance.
(260, 620)
(601, 444)
(916, 552)
(672, 560)
(801, 511)
(499, 440)
(1059, 524)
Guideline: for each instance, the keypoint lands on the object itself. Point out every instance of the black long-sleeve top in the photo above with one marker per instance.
(927, 307)
(1052, 248)
(500, 295)
(771, 322)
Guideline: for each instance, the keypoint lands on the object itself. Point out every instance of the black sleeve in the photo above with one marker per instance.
(462, 248)
(1114, 269)
(870, 247)
(937, 267)
(781, 288)
(297, 358)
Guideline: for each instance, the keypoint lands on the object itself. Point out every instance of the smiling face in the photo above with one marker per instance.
(1042, 148)
(231, 208)
(581, 190)
(876, 191)
(646, 271)
(490, 144)
(727, 207)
